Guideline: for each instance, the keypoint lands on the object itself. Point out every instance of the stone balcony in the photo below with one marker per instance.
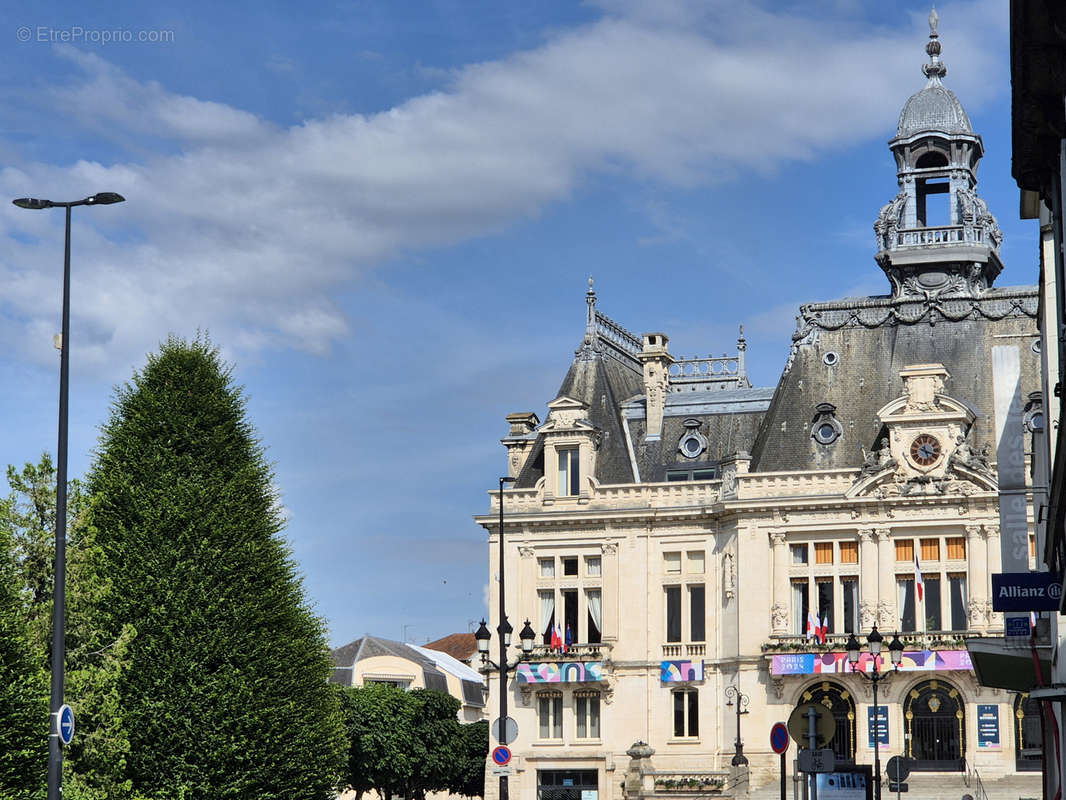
(836, 642)
(684, 650)
(579, 651)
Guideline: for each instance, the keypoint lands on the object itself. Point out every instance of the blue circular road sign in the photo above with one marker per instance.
(779, 737)
(65, 723)
(501, 755)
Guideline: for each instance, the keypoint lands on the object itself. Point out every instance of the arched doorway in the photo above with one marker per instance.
(1028, 744)
(936, 727)
(840, 702)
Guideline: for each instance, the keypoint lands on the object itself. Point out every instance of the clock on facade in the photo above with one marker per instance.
(925, 449)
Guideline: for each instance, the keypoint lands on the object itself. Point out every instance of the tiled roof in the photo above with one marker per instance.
(460, 646)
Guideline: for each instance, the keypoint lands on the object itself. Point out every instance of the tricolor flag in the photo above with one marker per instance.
(812, 625)
(919, 584)
(556, 641)
(824, 629)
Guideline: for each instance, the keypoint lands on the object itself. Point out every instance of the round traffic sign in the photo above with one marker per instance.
(501, 755)
(511, 729)
(799, 725)
(65, 723)
(898, 768)
(779, 737)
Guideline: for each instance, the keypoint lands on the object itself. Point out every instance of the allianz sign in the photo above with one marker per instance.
(1026, 591)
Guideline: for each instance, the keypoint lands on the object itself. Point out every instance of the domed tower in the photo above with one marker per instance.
(927, 246)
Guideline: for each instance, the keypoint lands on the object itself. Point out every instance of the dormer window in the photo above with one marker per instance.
(569, 483)
(692, 442)
(825, 427)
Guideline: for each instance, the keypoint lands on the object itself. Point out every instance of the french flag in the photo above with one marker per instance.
(823, 631)
(919, 584)
(556, 640)
(812, 626)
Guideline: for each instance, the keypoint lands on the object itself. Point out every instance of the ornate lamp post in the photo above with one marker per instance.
(735, 697)
(895, 650)
(55, 753)
(504, 630)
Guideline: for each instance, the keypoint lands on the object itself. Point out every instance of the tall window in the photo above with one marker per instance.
(594, 602)
(849, 552)
(956, 548)
(569, 474)
(697, 613)
(799, 553)
(905, 603)
(686, 713)
(800, 607)
(587, 711)
(547, 614)
(850, 593)
(904, 549)
(931, 601)
(957, 588)
(673, 613)
(825, 603)
(823, 552)
(550, 715)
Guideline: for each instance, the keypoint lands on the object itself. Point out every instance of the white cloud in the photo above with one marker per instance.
(249, 229)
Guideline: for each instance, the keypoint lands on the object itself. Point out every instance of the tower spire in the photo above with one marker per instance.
(935, 70)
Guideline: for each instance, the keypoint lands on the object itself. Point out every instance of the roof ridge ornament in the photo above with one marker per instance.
(935, 70)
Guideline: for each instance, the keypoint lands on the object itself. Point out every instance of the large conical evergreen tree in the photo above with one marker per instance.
(223, 691)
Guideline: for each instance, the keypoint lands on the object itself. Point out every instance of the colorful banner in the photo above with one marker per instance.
(837, 663)
(987, 727)
(555, 672)
(677, 671)
(877, 729)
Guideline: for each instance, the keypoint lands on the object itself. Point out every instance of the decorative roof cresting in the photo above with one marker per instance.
(935, 107)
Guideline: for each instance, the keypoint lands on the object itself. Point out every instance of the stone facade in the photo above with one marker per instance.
(682, 528)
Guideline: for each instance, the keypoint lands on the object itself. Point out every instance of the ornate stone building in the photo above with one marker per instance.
(681, 526)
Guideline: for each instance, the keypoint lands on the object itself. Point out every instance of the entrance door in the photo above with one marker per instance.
(567, 784)
(1028, 747)
(841, 704)
(935, 722)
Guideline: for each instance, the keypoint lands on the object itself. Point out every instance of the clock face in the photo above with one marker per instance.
(925, 450)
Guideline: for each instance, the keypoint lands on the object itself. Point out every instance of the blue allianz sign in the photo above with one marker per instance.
(1026, 591)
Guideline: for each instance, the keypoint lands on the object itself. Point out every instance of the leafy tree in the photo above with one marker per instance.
(30, 519)
(437, 744)
(23, 688)
(470, 772)
(379, 721)
(216, 664)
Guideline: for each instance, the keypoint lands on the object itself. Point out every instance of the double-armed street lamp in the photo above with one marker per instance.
(504, 630)
(895, 650)
(735, 697)
(55, 753)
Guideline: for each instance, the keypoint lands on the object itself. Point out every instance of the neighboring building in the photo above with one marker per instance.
(684, 525)
(1038, 116)
(460, 646)
(406, 666)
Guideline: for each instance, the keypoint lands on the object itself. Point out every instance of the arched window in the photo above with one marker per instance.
(1028, 747)
(931, 159)
(936, 727)
(840, 702)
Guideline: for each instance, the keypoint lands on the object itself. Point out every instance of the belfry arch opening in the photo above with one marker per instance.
(931, 159)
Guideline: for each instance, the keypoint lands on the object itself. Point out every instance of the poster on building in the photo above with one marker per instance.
(837, 663)
(554, 672)
(877, 728)
(680, 671)
(987, 727)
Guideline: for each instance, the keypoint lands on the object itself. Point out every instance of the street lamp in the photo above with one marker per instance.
(733, 693)
(55, 754)
(504, 631)
(895, 650)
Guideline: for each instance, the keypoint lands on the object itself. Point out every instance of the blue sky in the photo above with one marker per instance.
(385, 214)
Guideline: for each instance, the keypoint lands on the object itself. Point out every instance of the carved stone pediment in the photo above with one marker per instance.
(567, 414)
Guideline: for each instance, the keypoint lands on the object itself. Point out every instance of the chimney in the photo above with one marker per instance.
(656, 360)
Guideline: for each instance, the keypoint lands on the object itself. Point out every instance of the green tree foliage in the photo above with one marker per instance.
(23, 687)
(30, 519)
(208, 652)
(410, 743)
(470, 767)
(379, 721)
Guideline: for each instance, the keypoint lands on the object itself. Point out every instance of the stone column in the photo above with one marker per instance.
(610, 597)
(977, 579)
(886, 584)
(779, 615)
(994, 562)
(868, 579)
